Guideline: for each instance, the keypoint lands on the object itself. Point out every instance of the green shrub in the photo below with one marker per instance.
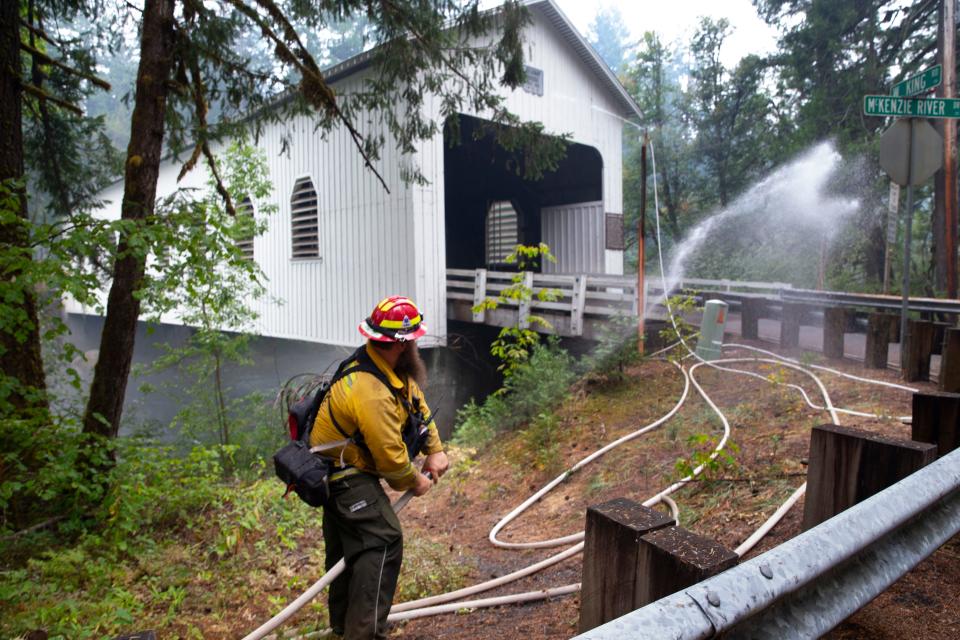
(616, 348)
(536, 386)
(39, 473)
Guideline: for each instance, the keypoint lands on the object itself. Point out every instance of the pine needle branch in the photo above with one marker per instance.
(312, 85)
(45, 59)
(40, 94)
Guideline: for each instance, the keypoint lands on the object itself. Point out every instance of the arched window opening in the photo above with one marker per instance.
(304, 225)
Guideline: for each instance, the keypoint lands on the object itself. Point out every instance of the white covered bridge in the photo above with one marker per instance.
(339, 242)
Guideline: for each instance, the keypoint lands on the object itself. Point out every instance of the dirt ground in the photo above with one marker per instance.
(770, 425)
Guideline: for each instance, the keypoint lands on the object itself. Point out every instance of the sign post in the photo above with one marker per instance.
(910, 152)
(892, 209)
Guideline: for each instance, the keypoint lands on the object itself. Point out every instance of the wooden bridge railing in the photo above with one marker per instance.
(579, 298)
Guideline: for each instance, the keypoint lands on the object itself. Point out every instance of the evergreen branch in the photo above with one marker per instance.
(399, 15)
(37, 76)
(312, 85)
(40, 33)
(40, 94)
(45, 59)
(231, 66)
(200, 106)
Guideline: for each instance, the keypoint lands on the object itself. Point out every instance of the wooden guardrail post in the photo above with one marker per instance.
(950, 361)
(790, 316)
(939, 333)
(848, 466)
(611, 548)
(919, 349)
(479, 293)
(880, 328)
(750, 311)
(936, 420)
(673, 558)
(834, 328)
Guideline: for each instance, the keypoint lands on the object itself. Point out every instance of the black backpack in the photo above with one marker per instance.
(301, 467)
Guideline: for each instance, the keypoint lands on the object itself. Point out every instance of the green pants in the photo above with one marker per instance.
(360, 525)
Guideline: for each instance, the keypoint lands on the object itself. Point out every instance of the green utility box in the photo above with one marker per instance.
(710, 345)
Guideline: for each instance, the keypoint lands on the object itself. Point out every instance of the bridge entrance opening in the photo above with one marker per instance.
(490, 207)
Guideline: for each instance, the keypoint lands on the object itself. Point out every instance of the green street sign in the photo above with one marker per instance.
(920, 83)
(911, 107)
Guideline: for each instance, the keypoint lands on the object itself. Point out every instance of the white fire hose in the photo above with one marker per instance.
(442, 603)
(316, 588)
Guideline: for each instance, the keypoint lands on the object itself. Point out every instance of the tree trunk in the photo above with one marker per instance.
(105, 406)
(19, 354)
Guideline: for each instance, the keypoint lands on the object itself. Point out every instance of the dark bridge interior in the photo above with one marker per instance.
(478, 172)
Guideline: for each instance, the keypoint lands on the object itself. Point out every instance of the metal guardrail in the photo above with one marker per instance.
(811, 583)
(837, 298)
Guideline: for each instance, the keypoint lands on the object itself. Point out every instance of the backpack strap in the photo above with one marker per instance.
(365, 364)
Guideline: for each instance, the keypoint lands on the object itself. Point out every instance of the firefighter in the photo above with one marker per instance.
(380, 406)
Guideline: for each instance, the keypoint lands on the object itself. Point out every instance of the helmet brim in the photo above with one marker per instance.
(372, 334)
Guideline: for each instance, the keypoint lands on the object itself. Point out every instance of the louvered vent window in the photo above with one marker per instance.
(303, 220)
(503, 233)
(245, 213)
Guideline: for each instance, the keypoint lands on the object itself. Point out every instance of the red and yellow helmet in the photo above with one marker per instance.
(394, 319)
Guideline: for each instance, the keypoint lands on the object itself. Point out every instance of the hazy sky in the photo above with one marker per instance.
(676, 19)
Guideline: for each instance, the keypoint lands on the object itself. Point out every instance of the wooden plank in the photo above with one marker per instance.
(790, 317)
(919, 350)
(950, 362)
(879, 326)
(577, 305)
(849, 465)
(672, 559)
(611, 547)
(479, 293)
(936, 420)
(834, 327)
(523, 320)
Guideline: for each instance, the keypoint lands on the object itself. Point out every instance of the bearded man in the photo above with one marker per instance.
(379, 405)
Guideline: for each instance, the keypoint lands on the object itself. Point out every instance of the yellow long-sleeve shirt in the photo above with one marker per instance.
(361, 401)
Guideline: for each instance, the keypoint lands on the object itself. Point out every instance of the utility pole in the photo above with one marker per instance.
(945, 181)
(948, 9)
(641, 228)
